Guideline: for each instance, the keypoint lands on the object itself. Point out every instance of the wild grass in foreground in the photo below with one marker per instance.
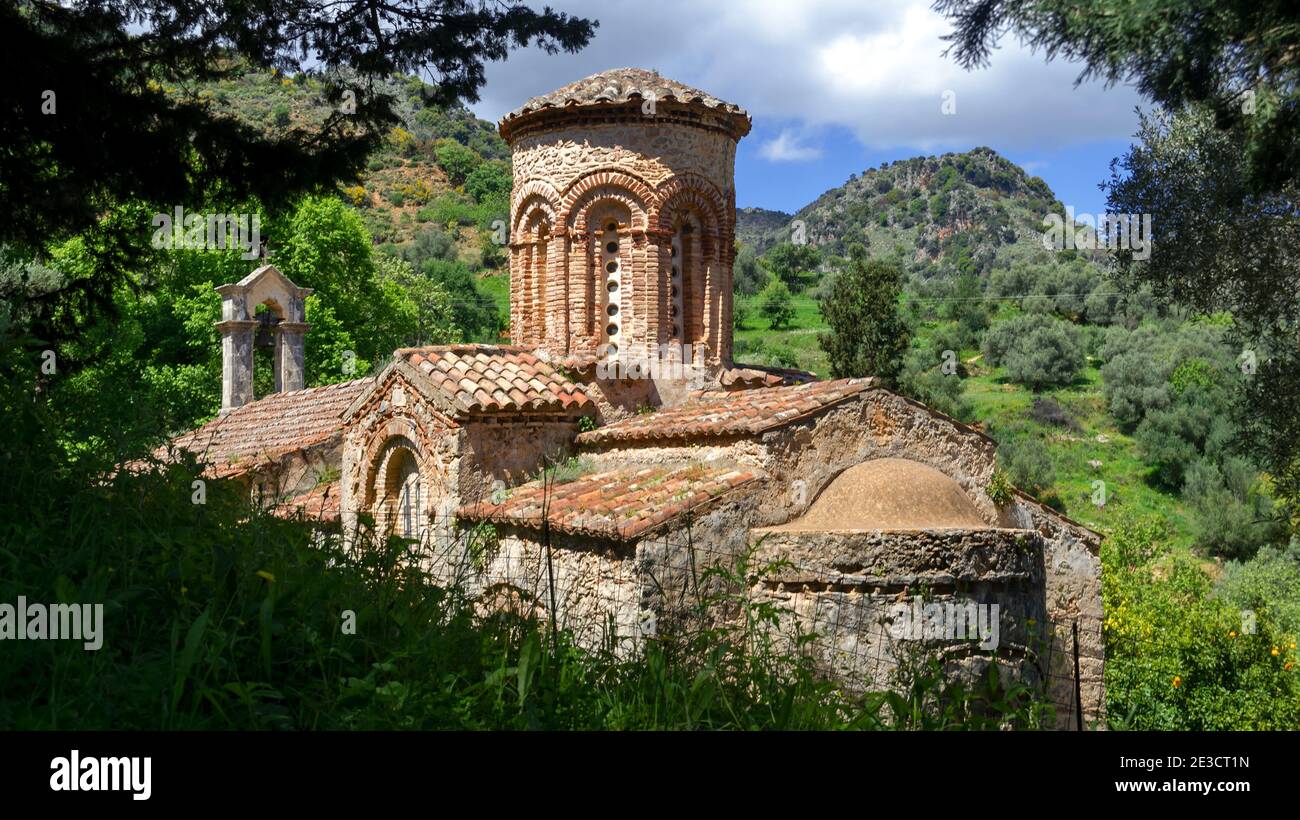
(221, 617)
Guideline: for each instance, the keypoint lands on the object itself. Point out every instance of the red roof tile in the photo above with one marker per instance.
(263, 431)
(623, 503)
(746, 412)
(495, 379)
(753, 375)
(321, 503)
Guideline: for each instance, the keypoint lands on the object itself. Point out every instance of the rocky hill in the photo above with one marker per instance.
(951, 214)
(759, 227)
(404, 186)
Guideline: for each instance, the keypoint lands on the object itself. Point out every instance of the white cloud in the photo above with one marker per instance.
(876, 69)
(788, 147)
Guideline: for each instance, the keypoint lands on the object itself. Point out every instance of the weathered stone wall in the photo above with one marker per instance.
(1072, 574)
(802, 458)
(509, 449)
(844, 588)
(598, 587)
(277, 483)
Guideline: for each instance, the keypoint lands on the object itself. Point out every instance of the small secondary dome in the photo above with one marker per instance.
(890, 494)
(623, 88)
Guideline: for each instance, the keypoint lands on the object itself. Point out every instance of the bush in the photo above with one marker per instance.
(1176, 657)
(923, 378)
(1232, 512)
(1049, 411)
(1268, 585)
(1027, 464)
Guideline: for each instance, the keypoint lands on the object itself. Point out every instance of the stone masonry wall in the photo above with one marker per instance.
(844, 588)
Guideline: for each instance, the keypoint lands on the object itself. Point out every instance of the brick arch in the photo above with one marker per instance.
(531, 195)
(691, 191)
(399, 431)
(607, 184)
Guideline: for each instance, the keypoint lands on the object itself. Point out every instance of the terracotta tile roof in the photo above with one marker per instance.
(746, 412)
(262, 431)
(495, 379)
(623, 503)
(745, 375)
(618, 86)
(321, 503)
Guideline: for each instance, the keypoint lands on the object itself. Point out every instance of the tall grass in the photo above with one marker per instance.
(219, 616)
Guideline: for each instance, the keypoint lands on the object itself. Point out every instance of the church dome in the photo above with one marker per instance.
(890, 494)
(624, 89)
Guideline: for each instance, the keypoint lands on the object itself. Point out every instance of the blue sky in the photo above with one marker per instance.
(837, 86)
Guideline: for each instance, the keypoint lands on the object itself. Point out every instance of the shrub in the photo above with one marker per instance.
(1232, 512)
(1050, 412)
(1267, 585)
(923, 378)
(1177, 658)
(1027, 464)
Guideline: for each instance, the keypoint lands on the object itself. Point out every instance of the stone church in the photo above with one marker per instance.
(672, 456)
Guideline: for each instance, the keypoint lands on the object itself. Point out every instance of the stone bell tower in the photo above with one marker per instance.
(282, 326)
(622, 219)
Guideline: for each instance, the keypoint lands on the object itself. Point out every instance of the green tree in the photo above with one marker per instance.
(489, 181)
(747, 275)
(456, 160)
(1035, 350)
(793, 264)
(98, 112)
(776, 304)
(867, 335)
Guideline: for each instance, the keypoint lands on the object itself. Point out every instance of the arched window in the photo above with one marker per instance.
(533, 293)
(608, 222)
(686, 282)
(400, 503)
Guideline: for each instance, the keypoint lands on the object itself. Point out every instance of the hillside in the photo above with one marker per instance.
(404, 186)
(970, 212)
(759, 227)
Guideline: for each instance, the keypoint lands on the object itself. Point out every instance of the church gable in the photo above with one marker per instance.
(465, 381)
